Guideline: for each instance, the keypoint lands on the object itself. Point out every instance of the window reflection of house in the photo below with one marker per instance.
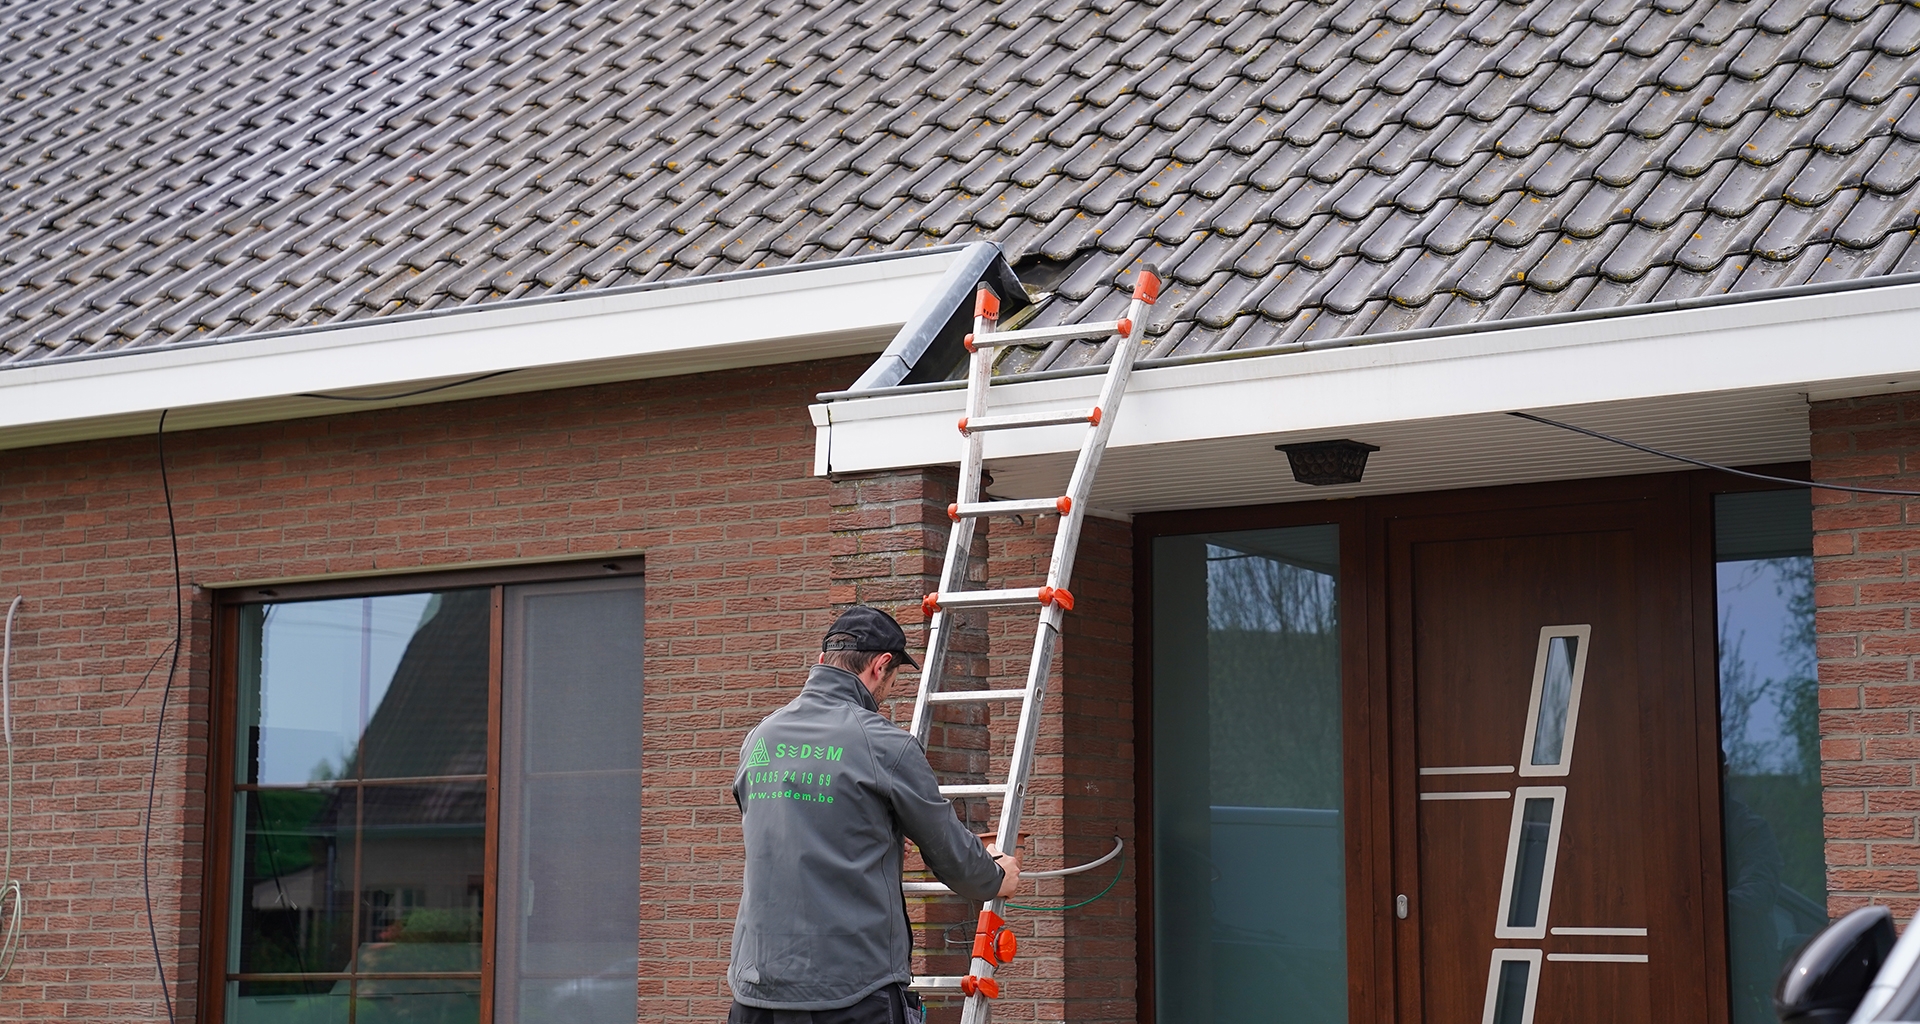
(366, 891)
(413, 850)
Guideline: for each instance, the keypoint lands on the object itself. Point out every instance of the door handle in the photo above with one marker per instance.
(1400, 906)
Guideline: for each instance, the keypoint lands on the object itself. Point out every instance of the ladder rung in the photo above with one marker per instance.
(925, 889)
(1035, 335)
(933, 604)
(966, 696)
(1018, 420)
(991, 789)
(1039, 506)
(935, 983)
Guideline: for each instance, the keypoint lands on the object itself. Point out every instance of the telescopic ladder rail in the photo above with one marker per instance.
(993, 944)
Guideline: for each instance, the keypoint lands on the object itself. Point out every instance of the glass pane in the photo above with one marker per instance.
(1249, 866)
(1510, 999)
(408, 672)
(416, 1001)
(1556, 695)
(570, 804)
(293, 902)
(287, 1002)
(1769, 739)
(422, 866)
(1530, 862)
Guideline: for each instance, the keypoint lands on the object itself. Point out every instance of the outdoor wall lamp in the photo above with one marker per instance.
(1320, 463)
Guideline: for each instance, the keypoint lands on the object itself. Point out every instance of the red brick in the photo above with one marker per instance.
(1867, 550)
(730, 503)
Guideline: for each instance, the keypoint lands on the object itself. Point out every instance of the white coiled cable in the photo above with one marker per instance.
(13, 904)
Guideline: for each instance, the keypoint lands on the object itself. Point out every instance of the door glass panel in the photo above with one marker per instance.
(1249, 848)
(1510, 993)
(1769, 739)
(1530, 862)
(1556, 697)
(570, 805)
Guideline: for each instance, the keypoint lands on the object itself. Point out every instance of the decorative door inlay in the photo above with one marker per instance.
(1533, 837)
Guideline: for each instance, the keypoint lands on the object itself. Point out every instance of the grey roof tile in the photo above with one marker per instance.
(1788, 231)
(1901, 36)
(1878, 79)
(1874, 216)
(1569, 259)
(1746, 184)
(480, 164)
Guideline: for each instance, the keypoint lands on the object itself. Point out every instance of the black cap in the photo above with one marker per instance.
(868, 629)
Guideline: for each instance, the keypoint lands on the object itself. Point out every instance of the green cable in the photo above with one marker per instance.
(1074, 906)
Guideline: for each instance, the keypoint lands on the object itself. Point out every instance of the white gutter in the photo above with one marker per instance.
(1825, 345)
(808, 312)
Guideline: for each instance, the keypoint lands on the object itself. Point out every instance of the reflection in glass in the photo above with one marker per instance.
(287, 1002)
(570, 805)
(1556, 696)
(1530, 862)
(336, 876)
(422, 862)
(1510, 993)
(416, 1000)
(1771, 813)
(1250, 890)
(294, 899)
(407, 672)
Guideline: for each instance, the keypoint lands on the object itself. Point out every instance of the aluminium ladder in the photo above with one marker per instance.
(993, 945)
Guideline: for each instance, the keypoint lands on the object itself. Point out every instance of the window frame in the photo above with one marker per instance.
(220, 784)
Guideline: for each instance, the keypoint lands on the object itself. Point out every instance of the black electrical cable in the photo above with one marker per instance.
(160, 726)
(1703, 464)
(138, 690)
(407, 394)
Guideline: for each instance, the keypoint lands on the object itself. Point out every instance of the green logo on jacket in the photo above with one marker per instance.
(758, 758)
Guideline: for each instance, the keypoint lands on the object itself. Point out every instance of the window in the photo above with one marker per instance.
(1249, 842)
(431, 806)
(1769, 739)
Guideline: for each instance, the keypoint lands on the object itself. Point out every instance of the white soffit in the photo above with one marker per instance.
(745, 320)
(1727, 384)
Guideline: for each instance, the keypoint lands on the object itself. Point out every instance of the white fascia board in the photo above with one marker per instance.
(804, 313)
(1853, 342)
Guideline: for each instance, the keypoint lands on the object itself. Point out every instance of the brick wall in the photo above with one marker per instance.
(890, 532)
(1867, 586)
(709, 475)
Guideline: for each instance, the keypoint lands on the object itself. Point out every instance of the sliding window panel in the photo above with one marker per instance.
(568, 935)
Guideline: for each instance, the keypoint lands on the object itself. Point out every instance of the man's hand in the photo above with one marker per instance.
(1009, 863)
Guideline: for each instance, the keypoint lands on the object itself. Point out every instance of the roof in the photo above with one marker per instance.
(190, 169)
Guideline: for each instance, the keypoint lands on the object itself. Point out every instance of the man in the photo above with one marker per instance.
(827, 789)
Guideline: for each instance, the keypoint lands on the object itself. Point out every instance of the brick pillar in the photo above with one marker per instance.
(1096, 719)
(1075, 965)
(1867, 581)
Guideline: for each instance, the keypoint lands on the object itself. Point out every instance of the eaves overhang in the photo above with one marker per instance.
(1727, 381)
(809, 311)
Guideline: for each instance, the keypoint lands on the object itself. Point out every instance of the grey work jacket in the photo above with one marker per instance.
(827, 790)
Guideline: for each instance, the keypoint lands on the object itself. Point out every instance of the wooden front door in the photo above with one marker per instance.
(1547, 767)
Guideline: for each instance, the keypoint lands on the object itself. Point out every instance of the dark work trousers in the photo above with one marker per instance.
(890, 1005)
